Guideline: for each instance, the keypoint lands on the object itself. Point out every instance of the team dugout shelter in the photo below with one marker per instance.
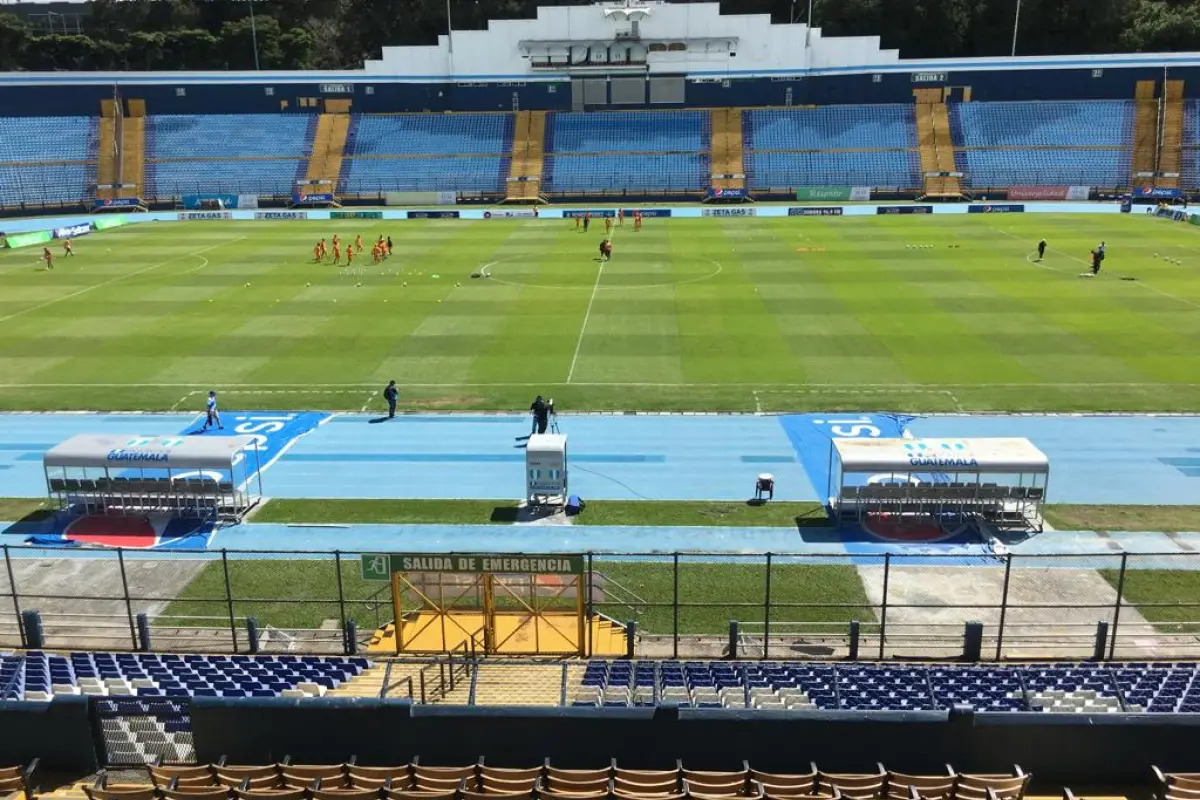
(1000, 481)
(135, 475)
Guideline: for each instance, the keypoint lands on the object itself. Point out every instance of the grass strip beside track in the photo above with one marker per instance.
(1167, 598)
(1167, 519)
(598, 512)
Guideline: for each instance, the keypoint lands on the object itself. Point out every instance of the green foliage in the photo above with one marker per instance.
(313, 34)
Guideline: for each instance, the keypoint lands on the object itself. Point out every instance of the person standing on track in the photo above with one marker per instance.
(212, 414)
(391, 394)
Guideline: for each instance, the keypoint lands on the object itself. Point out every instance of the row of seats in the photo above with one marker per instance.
(1061, 688)
(244, 153)
(481, 779)
(1003, 143)
(152, 675)
(627, 151)
(424, 174)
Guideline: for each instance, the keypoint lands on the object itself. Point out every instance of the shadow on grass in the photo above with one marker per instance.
(33, 522)
(506, 514)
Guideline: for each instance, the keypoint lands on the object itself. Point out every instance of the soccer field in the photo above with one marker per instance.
(917, 313)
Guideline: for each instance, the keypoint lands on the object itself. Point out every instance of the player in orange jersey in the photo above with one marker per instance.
(48, 257)
(324, 249)
(67, 251)
(349, 256)
(620, 216)
(317, 252)
(337, 252)
(358, 243)
(377, 253)
(637, 220)
(608, 223)
(336, 241)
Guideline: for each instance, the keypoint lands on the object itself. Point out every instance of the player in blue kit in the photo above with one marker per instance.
(213, 416)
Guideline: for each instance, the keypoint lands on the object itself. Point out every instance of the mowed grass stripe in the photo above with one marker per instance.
(891, 326)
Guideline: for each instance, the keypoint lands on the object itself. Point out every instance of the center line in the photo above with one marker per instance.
(587, 315)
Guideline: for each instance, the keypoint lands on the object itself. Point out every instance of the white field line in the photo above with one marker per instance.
(588, 314)
(111, 281)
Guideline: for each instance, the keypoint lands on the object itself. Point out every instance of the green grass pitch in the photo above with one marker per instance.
(941, 313)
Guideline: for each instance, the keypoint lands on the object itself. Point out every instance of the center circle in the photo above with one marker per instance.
(486, 271)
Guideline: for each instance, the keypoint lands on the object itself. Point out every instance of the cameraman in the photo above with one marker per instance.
(541, 415)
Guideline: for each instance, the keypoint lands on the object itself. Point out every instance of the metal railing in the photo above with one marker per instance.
(786, 605)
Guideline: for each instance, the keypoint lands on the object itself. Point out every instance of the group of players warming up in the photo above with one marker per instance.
(381, 250)
(584, 222)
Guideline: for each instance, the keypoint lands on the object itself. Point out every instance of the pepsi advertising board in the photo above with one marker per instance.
(727, 194)
(311, 198)
(996, 208)
(1156, 193)
(118, 202)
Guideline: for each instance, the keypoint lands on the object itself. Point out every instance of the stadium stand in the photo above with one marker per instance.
(625, 151)
(230, 153)
(1084, 143)
(1053, 688)
(143, 675)
(831, 146)
(426, 153)
(1191, 144)
(47, 160)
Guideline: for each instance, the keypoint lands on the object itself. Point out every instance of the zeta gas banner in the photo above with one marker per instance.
(1156, 193)
(815, 211)
(281, 215)
(996, 208)
(740, 211)
(904, 210)
(830, 194)
(204, 215)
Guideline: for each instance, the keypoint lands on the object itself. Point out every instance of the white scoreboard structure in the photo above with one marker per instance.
(546, 469)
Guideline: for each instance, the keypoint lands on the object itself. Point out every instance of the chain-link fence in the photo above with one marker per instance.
(775, 606)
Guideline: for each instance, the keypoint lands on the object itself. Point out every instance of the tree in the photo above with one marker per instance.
(1160, 27)
(14, 36)
(192, 49)
(240, 38)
